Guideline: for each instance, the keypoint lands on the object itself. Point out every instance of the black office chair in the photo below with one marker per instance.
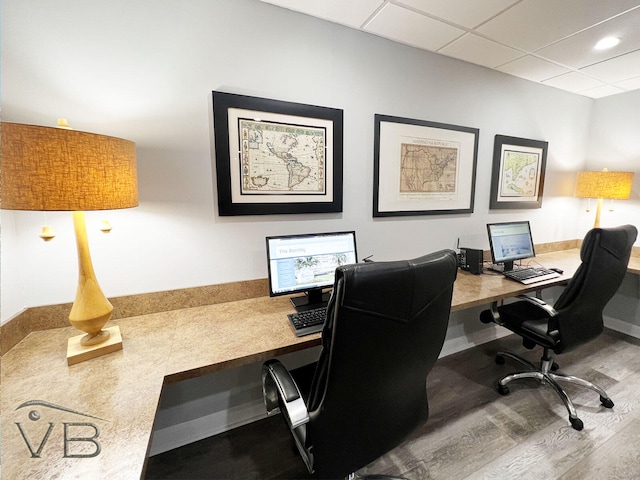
(574, 319)
(386, 324)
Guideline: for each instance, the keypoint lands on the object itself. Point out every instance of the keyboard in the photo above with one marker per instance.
(531, 275)
(308, 321)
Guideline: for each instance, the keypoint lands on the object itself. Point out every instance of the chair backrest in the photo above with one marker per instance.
(386, 324)
(605, 255)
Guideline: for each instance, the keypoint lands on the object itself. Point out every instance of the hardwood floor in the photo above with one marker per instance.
(472, 432)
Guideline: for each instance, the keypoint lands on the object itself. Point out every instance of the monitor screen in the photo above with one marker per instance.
(510, 241)
(306, 263)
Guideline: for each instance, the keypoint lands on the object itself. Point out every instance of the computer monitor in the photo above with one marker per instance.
(306, 264)
(510, 241)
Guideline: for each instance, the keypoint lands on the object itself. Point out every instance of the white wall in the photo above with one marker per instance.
(145, 70)
(615, 144)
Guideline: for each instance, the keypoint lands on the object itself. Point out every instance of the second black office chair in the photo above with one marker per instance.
(574, 319)
(386, 324)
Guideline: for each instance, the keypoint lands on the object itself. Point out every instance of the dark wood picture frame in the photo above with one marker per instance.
(251, 181)
(517, 178)
(405, 181)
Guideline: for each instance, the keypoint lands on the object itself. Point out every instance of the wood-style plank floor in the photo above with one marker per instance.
(472, 432)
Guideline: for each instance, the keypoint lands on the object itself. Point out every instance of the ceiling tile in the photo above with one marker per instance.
(532, 68)
(481, 51)
(533, 24)
(577, 51)
(604, 91)
(546, 41)
(617, 69)
(467, 13)
(573, 82)
(352, 13)
(631, 84)
(412, 28)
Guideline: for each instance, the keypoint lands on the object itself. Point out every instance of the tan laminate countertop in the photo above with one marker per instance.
(117, 395)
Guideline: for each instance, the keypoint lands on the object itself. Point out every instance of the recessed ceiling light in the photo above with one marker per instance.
(607, 42)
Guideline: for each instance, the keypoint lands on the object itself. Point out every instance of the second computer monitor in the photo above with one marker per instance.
(510, 241)
(306, 264)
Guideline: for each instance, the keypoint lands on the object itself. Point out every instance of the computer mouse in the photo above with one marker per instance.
(557, 270)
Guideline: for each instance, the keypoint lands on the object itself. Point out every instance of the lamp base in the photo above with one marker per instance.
(76, 352)
(89, 341)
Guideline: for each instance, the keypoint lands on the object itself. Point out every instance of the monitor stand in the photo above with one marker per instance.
(502, 267)
(314, 298)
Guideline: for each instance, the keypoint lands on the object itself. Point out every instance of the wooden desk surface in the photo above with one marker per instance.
(117, 395)
(476, 290)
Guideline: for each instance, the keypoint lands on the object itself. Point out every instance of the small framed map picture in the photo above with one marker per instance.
(423, 168)
(517, 178)
(276, 157)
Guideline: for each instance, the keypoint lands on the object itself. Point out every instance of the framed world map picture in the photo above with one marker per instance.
(517, 178)
(276, 157)
(423, 168)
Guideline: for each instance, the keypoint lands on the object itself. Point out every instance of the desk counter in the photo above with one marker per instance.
(117, 394)
(95, 419)
(477, 290)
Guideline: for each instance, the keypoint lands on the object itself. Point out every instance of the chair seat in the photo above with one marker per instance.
(529, 322)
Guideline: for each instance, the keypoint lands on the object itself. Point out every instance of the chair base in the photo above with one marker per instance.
(545, 375)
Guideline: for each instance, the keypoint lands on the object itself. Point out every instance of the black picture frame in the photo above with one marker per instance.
(527, 188)
(250, 182)
(402, 148)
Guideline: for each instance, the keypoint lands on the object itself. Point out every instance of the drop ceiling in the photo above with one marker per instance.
(545, 41)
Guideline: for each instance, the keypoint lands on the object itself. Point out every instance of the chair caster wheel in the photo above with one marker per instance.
(576, 423)
(554, 366)
(502, 389)
(606, 402)
(500, 359)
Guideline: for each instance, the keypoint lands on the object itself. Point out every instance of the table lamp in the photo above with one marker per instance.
(54, 169)
(604, 184)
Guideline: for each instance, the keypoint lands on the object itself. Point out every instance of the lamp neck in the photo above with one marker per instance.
(596, 223)
(91, 309)
(84, 255)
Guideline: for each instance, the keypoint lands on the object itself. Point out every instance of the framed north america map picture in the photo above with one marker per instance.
(517, 178)
(276, 157)
(423, 168)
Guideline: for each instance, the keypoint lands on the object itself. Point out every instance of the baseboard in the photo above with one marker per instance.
(622, 327)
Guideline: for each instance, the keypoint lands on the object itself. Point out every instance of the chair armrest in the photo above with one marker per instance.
(491, 315)
(280, 390)
(550, 311)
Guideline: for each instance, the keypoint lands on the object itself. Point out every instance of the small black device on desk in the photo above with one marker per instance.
(306, 263)
(511, 241)
(470, 260)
